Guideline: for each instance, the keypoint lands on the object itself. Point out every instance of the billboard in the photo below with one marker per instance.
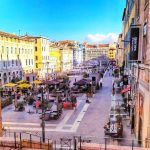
(134, 43)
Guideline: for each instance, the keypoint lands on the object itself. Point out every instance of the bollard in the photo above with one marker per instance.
(48, 145)
(132, 144)
(30, 141)
(15, 139)
(80, 142)
(40, 142)
(75, 144)
(105, 144)
(20, 140)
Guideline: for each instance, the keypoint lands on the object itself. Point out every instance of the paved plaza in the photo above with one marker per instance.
(88, 119)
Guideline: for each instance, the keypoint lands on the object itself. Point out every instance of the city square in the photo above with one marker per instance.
(75, 75)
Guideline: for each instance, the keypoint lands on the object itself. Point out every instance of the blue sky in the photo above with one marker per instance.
(63, 19)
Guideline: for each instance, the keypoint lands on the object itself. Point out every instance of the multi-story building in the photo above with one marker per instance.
(119, 51)
(78, 52)
(112, 52)
(17, 57)
(94, 51)
(66, 50)
(136, 37)
(41, 56)
(55, 57)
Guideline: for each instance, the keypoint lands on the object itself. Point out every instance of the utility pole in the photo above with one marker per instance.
(43, 122)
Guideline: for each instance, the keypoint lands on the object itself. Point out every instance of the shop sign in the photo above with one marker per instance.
(134, 43)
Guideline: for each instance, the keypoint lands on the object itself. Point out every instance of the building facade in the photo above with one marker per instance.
(136, 36)
(94, 51)
(78, 52)
(17, 57)
(119, 51)
(55, 57)
(41, 56)
(66, 52)
(112, 52)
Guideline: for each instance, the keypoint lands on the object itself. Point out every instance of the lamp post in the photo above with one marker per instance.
(1, 129)
(43, 122)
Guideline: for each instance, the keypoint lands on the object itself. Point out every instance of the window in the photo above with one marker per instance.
(22, 50)
(16, 63)
(36, 65)
(12, 62)
(15, 50)
(4, 64)
(35, 40)
(31, 51)
(26, 62)
(19, 50)
(2, 49)
(11, 50)
(146, 2)
(29, 61)
(138, 8)
(35, 48)
(28, 51)
(32, 61)
(7, 50)
(36, 57)
(9, 73)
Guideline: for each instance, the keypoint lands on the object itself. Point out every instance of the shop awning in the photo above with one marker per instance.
(126, 89)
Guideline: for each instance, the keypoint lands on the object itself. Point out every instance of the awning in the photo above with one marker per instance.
(126, 89)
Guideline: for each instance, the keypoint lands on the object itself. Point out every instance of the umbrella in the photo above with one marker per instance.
(36, 82)
(10, 85)
(83, 82)
(24, 85)
(22, 81)
(53, 82)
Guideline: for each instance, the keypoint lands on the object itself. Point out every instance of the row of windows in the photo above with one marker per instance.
(29, 62)
(13, 39)
(12, 50)
(11, 63)
(44, 41)
(43, 57)
(9, 73)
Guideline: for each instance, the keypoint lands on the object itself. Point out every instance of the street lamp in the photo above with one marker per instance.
(43, 122)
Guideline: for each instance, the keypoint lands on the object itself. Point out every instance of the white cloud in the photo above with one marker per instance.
(101, 38)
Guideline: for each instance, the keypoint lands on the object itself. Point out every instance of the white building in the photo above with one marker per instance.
(94, 51)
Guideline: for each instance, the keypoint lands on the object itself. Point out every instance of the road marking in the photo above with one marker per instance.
(36, 129)
(66, 118)
(79, 118)
(32, 124)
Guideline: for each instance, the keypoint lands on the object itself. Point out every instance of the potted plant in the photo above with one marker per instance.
(20, 106)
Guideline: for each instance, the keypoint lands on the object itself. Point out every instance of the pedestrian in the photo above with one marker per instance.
(37, 105)
(100, 83)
